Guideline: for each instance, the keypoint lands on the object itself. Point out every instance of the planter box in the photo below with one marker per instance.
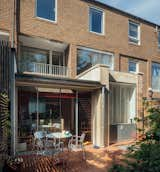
(121, 132)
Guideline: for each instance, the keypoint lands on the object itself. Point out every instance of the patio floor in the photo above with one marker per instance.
(97, 160)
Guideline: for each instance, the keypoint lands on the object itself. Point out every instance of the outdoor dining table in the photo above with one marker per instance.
(59, 135)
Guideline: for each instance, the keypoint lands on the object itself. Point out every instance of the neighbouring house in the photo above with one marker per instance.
(79, 63)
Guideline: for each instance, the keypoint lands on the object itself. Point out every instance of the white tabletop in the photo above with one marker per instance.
(58, 135)
(47, 126)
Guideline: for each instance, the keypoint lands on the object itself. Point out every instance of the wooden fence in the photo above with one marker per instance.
(5, 54)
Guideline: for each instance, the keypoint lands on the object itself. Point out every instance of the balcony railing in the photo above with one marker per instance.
(43, 69)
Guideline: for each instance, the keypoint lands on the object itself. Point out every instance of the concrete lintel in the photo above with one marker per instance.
(123, 77)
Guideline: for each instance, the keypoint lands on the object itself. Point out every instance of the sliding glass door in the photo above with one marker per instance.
(41, 110)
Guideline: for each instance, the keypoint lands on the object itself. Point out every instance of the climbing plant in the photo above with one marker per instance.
(4, 123)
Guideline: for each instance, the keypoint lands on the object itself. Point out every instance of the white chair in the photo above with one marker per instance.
(52, 146)
(76, 143)
(39, 137)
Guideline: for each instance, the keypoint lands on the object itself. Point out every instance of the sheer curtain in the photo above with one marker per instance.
(122, 104)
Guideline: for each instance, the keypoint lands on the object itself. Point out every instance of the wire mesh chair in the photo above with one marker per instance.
(39, 138)
(76, 143)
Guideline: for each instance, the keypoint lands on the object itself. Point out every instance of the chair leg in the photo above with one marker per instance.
(83, 153)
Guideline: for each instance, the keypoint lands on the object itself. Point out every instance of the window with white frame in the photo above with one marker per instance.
(156, 76)
(96, 23)
(46, 9)
(159, 39)
(132, 65)
(87, 58)
(134, 32)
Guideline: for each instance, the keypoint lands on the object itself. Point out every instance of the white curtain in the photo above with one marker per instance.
(122, 104)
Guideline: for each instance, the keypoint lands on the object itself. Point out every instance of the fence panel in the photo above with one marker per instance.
(5, 54)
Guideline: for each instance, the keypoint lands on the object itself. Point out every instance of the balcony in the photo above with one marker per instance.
(44, 69)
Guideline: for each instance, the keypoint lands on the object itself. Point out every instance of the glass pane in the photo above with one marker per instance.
(46, 9)
(34, 55)
(57, 58)
(132, 66)
(29, 56)
(133, 30)
(89, 58)
(96, 20)
(133, 40)
(52, 111)
(156, 76)
(84, 60)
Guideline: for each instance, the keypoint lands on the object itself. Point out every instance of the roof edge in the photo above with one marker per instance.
(121, 12)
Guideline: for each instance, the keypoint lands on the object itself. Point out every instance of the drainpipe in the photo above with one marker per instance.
(13, 24)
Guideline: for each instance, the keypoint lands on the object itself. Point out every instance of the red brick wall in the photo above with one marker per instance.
(72, 27)
(5, 15)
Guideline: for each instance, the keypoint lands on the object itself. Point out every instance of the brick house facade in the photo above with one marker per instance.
(71, 32)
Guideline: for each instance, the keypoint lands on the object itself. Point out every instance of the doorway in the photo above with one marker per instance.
(122, 111)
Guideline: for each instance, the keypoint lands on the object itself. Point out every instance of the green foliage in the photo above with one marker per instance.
(4, 121)
(145, 159)
(118, 168)
(144, 156)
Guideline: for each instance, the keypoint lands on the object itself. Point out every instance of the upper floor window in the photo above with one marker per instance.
(156, 76)
(87, 58)
(134, 32)
(132, 65)
(159, 39)
(96, 20)
(30, 56)
(46, 9)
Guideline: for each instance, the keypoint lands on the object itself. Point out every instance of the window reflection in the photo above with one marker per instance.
(156, 76)
(88, 58)
(96, 20)
(46, 9)
(32, 55)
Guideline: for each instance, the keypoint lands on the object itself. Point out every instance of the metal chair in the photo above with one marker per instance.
(39, 138)
(76, 143)
(52, 146)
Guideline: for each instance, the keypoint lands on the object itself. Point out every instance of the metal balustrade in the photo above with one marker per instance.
(44, 69)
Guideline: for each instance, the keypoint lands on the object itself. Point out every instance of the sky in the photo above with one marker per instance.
(147, 9)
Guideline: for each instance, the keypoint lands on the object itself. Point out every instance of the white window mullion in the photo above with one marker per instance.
(94, 26)
(134, 32)
(46, 10)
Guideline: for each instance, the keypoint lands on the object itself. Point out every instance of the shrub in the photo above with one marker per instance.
(144, 156)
